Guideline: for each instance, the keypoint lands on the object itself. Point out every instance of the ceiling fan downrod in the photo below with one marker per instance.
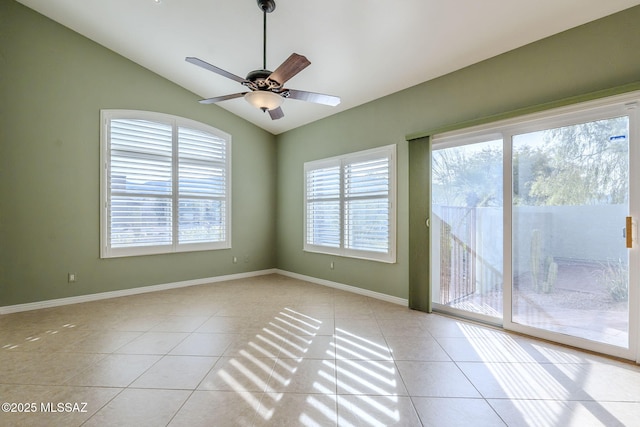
(267, 6)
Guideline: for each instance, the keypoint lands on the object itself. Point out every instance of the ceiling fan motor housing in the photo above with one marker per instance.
(258, 80)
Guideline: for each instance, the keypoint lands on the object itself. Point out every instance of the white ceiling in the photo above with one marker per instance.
(359, 50)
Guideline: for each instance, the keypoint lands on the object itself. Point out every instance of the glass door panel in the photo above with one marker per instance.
(467, 229)
(569, 259)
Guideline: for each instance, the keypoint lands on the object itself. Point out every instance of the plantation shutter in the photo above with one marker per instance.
(165, 185)
(349, 205)
(323, 206)
(140, 183)
(366, 205)
(202, 189)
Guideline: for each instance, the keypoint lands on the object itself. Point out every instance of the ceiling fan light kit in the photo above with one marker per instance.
(264, 99)
(266, 88)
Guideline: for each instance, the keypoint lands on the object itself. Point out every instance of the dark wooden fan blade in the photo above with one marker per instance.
(276, 113)
(318, 98)
(222, 98)
(289, 68)
(207, 66)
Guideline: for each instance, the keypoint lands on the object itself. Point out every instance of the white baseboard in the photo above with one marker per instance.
(126, 292)
(343, 287)
(166, 286)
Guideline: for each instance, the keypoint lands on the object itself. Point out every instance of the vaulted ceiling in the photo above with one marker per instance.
(360, 50)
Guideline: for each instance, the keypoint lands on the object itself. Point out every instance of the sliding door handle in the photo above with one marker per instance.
(630, 232)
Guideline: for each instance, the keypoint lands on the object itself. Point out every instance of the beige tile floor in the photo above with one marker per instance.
(275, 351)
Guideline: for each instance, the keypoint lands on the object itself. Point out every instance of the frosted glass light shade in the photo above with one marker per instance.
(264, 100)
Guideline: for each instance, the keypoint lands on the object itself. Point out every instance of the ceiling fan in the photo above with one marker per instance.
(266, 90)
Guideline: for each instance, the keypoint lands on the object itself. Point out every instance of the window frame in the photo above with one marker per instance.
(342, 162)
(176, 122)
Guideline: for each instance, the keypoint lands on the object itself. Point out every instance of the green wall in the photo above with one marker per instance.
(53, 83)
(594, 57)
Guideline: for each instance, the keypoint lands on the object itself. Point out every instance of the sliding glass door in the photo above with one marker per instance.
(570, 200)
(466, 225)
(533, 226)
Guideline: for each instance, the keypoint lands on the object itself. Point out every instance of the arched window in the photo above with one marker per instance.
(165, 184)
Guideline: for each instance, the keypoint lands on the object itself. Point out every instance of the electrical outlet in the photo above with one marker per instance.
(235, 259)
(72, 277)
(331, 265)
